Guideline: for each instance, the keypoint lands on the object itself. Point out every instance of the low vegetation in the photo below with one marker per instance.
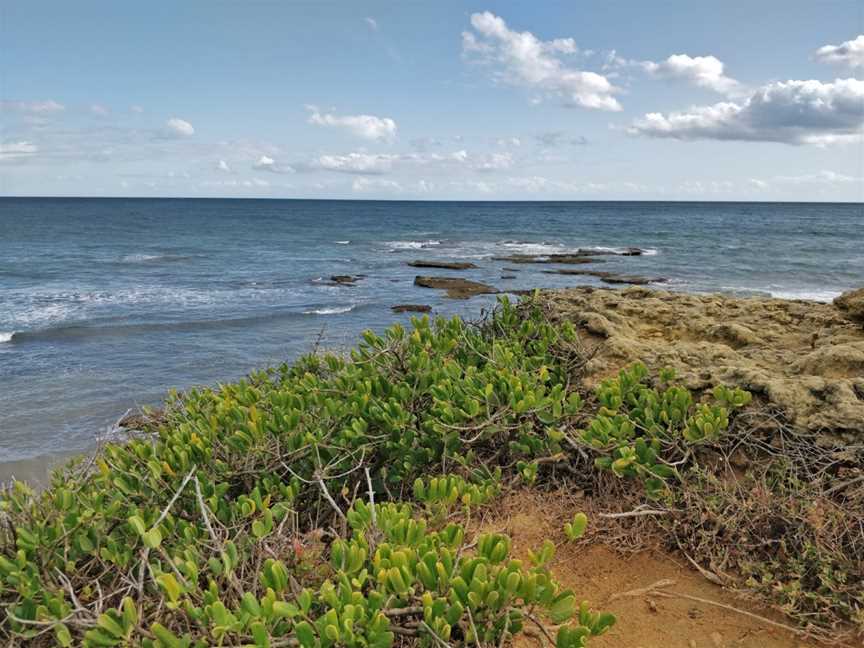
(328, 502)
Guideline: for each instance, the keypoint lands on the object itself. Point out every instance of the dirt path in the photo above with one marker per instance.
(597, 573)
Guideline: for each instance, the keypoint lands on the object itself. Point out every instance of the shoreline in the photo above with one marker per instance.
(725, 431)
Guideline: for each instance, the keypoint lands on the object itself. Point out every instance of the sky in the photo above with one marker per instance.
(578, 100)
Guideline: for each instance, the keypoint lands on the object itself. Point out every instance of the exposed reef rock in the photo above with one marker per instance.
(851, 304)
(804, 359)
(411, 308)
(445, 265)
(455, 287)
(345, 280)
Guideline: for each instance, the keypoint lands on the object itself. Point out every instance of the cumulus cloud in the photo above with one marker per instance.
(223, 166)
(33, 107)
(99, 110)
(267, 163)
(373, 24)
(792, 112)
(524, 60)
(703, 71)
(366, 126)
(177, 128)
(17, 150)
(849, 53)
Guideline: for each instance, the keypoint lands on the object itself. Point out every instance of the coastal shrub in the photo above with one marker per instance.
(642, 430)
(176, 527)
(181, 533)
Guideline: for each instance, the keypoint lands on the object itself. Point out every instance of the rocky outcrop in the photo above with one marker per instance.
(851, 304)
(444, 265)
(804, 359)
(411, 308)
(455, 287)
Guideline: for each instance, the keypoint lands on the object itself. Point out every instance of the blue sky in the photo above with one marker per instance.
(433, 100)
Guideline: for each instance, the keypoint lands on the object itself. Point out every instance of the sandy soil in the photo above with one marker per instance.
(597, 574)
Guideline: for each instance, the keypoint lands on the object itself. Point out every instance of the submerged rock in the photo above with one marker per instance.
(345, 280)
(444, 265)
(411, 308)
(609, 277)
(851, 304)
(573, 259)
(455, 287)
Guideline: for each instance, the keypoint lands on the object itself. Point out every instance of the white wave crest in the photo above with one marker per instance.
(329, 310)
(343, 242)
(396, 246)
(6, 336)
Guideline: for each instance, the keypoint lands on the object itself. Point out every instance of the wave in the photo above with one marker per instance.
(397, 246)
(157, 258)
(81, 330)
(343, 242)
(6, 336)
(330, 310)
(807, 294)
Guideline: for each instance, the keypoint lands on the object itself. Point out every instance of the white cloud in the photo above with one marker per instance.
(849, 53)
(524, 60)
(493, 162)
(366, 126)
(375, 184)
(360, 163)
(267, 163)
(176, 127)
(99, 110)
(703, 71)
(223, 166)
(33, 107)
(17, 150)
(551, 139)
(820, 177)
(506, 142)
(373, 24)
(137, 109)
(792, 112)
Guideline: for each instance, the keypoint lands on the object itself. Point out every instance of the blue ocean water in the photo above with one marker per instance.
(107, 303)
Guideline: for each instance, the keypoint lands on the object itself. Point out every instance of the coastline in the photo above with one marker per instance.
(684, 425)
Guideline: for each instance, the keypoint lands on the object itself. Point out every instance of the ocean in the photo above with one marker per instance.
(105, 304)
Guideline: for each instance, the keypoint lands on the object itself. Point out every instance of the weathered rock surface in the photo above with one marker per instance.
(851, 304)
(455, 287)
(445, 265)
(411, 308)
(805, 358)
